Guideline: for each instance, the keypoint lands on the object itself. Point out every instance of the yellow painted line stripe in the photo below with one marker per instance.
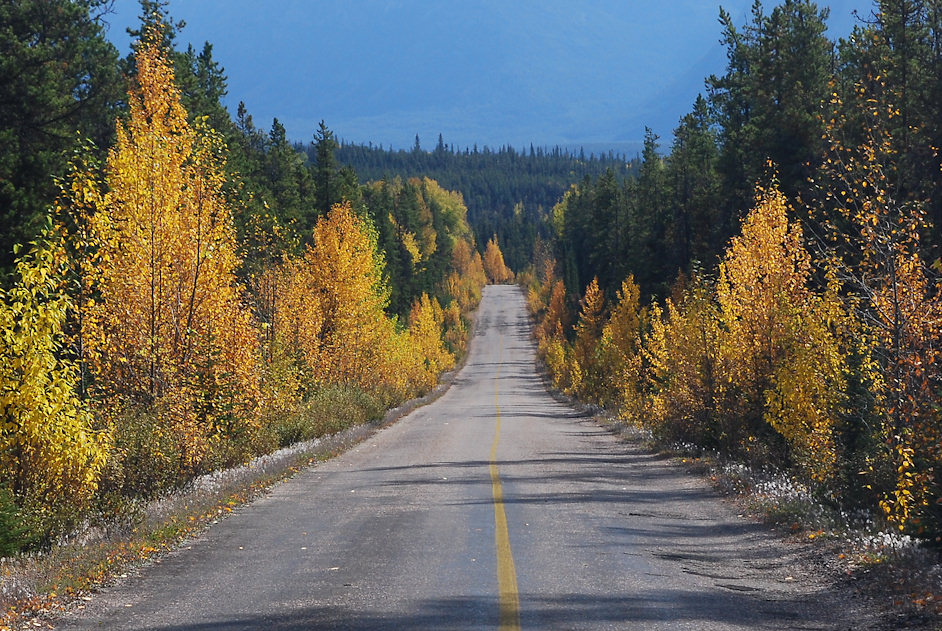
(508, 596)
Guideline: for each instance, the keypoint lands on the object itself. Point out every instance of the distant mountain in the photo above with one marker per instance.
(489, 72)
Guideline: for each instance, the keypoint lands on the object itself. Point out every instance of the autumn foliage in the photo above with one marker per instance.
(139, 350)
(766, 361)
(494, 266)
(163, 321)
(50, 446)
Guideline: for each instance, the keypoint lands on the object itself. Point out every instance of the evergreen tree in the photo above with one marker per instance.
(694, 182)
(59, 77)
(326, 192)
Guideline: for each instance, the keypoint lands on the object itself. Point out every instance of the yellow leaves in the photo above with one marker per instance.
(588, 334)
(426, 322)
(494, 266)
(781, 351)
(894, 290)
(48, 447)
(163, 319)
(330, 315)
(409, 243)
(467, 278)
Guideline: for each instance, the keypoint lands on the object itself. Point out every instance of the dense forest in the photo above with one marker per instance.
(184, 291)
(769, 288)
(509, 193)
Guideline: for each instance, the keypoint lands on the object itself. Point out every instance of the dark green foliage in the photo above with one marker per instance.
(203, 84)
(413, 207)
(896, 57)
(765, 117)
(508, 193)
(326, 170)
(768, 104)
(607, 230)
(15, 533)
(60, 79)
(693, 179)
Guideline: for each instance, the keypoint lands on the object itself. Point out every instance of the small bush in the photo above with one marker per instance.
(15, 531)
(145, 460)
(329, 410)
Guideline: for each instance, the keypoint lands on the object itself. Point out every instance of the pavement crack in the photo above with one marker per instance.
(738, 588)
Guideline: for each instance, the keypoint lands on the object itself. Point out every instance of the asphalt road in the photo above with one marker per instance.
(493, 507)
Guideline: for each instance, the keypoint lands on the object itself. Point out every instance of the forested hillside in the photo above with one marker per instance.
(770, 287)
(509, 193)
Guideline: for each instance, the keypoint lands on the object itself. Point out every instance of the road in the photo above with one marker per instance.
(495, 507)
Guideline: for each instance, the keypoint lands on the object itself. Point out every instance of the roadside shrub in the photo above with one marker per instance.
(330, 409)
(15, 531)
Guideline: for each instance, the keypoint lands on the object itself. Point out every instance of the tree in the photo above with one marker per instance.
(426, 322)
(649, 219)
(587, 378)
(876, 236)
(695, 228)
(345, 274)
(786, 365)
(767, 104)
(494, 266)
(327, 190)
(686, 371)
(619, 351)
(60, 77)
(894, 61)
(164, 320)
(50, 451)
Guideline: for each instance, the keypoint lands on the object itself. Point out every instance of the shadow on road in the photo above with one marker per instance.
(729, 608)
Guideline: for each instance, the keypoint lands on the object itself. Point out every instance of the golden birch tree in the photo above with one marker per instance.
(875, 232)
(786, 365)
(50, 451)
(426, 321)
(494, 266)
(166, 325)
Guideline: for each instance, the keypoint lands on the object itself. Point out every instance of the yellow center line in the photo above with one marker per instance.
(508, 597)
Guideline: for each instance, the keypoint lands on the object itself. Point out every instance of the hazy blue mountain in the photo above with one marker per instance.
(485, 71)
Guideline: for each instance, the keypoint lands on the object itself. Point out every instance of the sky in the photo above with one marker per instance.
(478, 72)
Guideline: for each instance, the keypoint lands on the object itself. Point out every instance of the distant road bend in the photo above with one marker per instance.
(496, 507)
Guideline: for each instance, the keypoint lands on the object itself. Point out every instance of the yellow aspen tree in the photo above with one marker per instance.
(557, 355)
(494, 266)
(169, 328)
(426, 321)
(898, 300)
(456, 329)
(551, 332)
(785, 364)
(467, 277)
(587, 378)
(622, 331)
(540, 286)
(50, 451)
(619, 351)
(345, 276)
(685, 371)
(556, 321)
(298, 321)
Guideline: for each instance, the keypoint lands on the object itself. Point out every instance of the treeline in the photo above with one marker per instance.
(509, 193)
(198, 295)
(804, 334)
